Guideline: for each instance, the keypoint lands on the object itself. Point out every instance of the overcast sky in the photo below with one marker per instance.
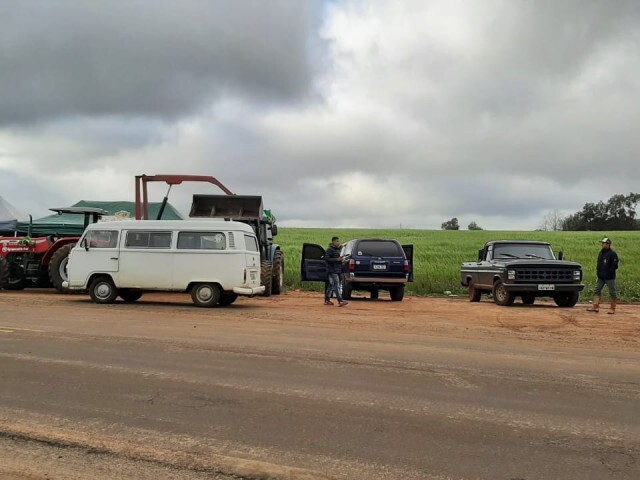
(368, 113)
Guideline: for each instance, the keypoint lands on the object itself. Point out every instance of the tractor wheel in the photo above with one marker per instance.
(102, 290)
(528, 298)
(128, 295)
(277, 285)
(566, 300)
(266, 269)
(4, 272)
(58, 267)
(228, 298)
(397, 293)
(501, 295)
(474, 294)
(206, 294)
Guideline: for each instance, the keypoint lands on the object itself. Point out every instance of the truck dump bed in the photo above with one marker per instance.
(236, 207)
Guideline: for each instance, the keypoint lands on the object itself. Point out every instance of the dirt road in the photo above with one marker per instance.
(286, 388)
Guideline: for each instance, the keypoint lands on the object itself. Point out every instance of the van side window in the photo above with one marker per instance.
(251, 243)
(102, 238)
(139, 239)
(202, 241)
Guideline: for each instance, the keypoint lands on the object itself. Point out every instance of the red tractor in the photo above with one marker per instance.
(40, 261)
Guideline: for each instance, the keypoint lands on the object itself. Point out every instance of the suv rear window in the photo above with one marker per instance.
(378, 248)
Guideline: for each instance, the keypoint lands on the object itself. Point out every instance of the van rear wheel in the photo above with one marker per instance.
(206, 294)
(128, 295)
(228, 299)
(102, 290)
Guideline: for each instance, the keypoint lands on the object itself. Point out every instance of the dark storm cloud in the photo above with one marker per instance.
(148, 58)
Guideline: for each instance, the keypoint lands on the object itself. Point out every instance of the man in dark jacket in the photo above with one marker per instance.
(334, 268)
(606, 269)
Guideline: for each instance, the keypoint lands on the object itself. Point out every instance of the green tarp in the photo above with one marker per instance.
(73, 225)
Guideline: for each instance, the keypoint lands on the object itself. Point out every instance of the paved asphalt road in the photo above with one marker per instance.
(162, 390)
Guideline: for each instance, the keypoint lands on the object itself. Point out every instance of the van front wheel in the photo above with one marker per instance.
(206, 294)
(102, 290)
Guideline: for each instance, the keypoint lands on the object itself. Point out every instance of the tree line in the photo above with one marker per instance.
(617, 213)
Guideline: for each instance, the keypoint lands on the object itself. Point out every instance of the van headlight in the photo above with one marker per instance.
(577, 274)
(511, 274)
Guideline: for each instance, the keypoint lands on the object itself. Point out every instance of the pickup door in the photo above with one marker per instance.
(313, 268)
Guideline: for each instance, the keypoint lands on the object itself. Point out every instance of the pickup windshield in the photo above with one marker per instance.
(542, 252)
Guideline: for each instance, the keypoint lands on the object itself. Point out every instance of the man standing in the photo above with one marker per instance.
(334, 268)
(607, 266)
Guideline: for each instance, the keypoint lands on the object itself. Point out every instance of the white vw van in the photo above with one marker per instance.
(213, 260)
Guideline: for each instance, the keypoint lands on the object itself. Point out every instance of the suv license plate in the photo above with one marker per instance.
(379, 267)
(546, 287)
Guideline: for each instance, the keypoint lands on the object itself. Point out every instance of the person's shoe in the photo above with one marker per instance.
(328, 302)
(343, 304)
(612, 307)
(596, 305)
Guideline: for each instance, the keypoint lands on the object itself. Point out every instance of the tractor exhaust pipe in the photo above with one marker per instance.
(164, 204)
(30, 230)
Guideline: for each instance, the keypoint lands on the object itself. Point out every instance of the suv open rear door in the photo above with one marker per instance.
(313, 268)
(408, 251)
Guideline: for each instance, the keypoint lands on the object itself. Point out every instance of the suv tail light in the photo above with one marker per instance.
(352, 265)
(406, 266)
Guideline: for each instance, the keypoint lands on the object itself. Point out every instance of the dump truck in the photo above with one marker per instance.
(248, 209)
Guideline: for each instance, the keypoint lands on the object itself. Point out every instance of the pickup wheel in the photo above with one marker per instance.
(566, 299)
(102, 290)
(501, 295)
(528, 298)
(206, 294)
(474, 293)
(397, 293)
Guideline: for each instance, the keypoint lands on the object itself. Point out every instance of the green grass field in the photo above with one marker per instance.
(439, 254)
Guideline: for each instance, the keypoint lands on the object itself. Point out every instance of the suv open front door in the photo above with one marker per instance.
(313, 268)
(408, 251)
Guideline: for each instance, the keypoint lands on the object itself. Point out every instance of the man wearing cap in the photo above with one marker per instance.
(607, 266)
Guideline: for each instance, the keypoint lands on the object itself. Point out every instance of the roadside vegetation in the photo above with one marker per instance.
(439, 254)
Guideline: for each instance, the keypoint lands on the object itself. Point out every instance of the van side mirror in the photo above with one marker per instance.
(560, 255)
(85, 244)
(274, 229)
(480, 254)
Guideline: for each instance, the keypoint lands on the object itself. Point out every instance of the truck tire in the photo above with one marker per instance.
(4, 272)
(502, 296)
(266, 274)
(58, 267)
(528, 298)
(474, 293)
(206, 294)
(397, 293)
(102, 290)
(566, 299)
(228, 298)
(277, 285)
(128, 295)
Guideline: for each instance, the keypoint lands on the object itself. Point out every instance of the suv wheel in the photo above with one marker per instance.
(375, 293)
(501, 295)
(347, 288)
(397, 293)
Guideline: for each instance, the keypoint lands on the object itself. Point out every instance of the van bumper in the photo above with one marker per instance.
(65, 284)
(249, 290)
